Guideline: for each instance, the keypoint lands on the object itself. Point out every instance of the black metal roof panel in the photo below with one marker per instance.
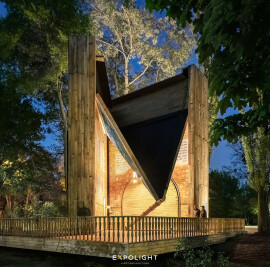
(155, 144)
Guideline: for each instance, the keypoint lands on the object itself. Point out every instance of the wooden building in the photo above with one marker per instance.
(136, 166)
(142, 154)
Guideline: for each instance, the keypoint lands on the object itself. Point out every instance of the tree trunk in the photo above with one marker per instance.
(263, 210)
(65, 124)
(28, 196)
(8, 200)
(126, 76)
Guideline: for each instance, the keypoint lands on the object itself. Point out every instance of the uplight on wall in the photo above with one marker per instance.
(135, 177)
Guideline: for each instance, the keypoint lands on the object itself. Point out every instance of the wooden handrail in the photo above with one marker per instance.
(120, 229)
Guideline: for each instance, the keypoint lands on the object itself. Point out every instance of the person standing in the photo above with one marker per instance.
(203, 212)
(197, 212)
(196, 222)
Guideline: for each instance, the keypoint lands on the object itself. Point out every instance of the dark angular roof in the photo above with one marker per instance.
(150, 146)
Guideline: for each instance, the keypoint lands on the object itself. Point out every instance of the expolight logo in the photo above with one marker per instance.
(134, 257)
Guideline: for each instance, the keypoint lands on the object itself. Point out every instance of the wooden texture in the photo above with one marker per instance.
(119, 141)
(119, 229)
(136, 200)
(160, 102)
(100, 166)
(198, 136)
(81, 133)
(107, 250)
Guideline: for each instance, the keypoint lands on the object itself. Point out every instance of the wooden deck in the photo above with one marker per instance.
(107, 236)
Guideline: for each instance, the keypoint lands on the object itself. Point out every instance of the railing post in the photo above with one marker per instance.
(113, 228)
(117, 227)
(123, 229)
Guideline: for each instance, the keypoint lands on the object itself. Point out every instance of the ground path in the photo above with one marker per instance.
(247, 250)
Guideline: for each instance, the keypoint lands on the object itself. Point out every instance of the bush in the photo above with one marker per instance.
(200, 257)
(62, 208)
(49, 209)
(15, 212)
(33, 209)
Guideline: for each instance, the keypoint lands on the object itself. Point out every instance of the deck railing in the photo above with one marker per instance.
(124, 229)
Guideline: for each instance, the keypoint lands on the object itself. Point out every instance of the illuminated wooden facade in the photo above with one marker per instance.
(158, 133)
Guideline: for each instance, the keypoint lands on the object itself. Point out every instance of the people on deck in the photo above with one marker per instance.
(203, 212)
(197, 212)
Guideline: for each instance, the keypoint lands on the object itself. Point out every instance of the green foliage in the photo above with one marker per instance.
(24, 163)
(37, 208)
(234, 48)
(198, 257)
(33, 91)
(49, 209)
(229, 199)
(32, 209)
(257, 155)
(138, 47)
(34, 52)
(20, 124)
(14, 212)
(212, 116)
(25, 166)
(222, 260)
(33, 39)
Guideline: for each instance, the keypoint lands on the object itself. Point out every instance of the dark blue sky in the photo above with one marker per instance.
(221, 155)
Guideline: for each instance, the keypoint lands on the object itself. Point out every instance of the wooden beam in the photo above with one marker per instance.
(81, 137)
(198, 136)
(123, 146)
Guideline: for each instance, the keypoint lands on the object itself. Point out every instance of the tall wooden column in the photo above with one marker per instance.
(81, 133)
(198, 136)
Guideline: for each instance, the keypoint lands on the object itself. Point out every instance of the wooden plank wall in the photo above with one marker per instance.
(137, 199)
(100, 166)
(198, 135)
(160, 102)
(81, 133)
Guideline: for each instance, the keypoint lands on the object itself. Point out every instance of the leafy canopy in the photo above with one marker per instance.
(257, 155)
(234, 48)
(24, 163)
(33, 62)
(139, 48)
(229, 199)
(33, 39)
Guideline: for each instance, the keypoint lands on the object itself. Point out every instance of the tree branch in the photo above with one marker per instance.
(62, 106)
(139, 76)
(99, 40)
(130, 31)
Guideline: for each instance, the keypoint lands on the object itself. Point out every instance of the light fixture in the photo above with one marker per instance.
(134, 178)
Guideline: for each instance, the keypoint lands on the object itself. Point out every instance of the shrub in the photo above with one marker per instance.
(15, 212)
(49, 209)
(199, 257)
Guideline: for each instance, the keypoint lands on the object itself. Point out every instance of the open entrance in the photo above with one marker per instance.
(137, 199)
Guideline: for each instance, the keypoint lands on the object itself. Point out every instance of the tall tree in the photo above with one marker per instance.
(138, 47)
(257, 155)
(229, 198)
(33, 44)
(234, 48)
(25, 166)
